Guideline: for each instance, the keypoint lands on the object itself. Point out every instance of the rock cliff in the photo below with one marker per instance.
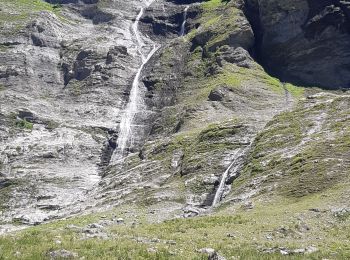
(304, 41)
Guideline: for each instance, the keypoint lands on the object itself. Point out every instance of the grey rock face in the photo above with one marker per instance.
(165, 19)
(304, 41)
(238, 56)
(176, 162)
(63, 85)
(216, 95)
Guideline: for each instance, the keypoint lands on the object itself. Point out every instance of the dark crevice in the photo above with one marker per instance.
(167, 25)
(252, 13)
(96, 15)
(108, 150)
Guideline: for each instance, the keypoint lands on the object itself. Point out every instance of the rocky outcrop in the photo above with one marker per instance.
(64, 79)
(304, 41)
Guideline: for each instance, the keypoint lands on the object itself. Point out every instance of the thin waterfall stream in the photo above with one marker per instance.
(125, 137)
(183, 25)
(220, 190)
(234, 167)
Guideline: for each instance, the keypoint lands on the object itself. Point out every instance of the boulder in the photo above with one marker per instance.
(62, 254)
(212, 254)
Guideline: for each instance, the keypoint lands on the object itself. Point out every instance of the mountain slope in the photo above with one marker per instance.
(221, 154)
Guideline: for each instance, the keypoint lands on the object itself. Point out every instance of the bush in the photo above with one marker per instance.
(24, 124)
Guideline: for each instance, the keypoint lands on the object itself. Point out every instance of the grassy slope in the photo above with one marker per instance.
(243, 234)
(15, 14)
(306, 150)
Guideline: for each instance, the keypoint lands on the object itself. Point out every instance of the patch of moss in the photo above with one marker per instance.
(24, 124)
(217, 23)
(295, 91)
(2, 87)
(3, 48)
(50, 125)
(217, 131)
(15, 13)
(76, 87)
(301, 152)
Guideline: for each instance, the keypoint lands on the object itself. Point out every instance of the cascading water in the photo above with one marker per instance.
(135, 104)
(234, 167)
(183, 25)
(220, 190)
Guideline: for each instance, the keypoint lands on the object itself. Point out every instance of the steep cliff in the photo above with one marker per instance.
(304, 41)
(150, 124)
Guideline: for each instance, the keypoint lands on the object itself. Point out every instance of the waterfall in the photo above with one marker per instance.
(183, 25)
(235, 167)
(136, 103)
(220, 190)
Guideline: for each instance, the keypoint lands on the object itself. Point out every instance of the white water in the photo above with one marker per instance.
(220, 190)
(183, 25)
(135, 104)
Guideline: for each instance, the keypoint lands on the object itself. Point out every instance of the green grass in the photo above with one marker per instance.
(210, 5)
(301, 152)
(24, 124)
(14, 14)
(295, 91)
(218, 20)
(217, 131)
(232, 231)
(202, 140)
(202, 150)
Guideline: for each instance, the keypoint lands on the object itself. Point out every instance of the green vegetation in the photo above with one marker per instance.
(218, 23)
(202, 150)
(211, 5)
(295, 91)
(75, 87)
(15, 13)
(24, 124)
(210, 139)
(304, 150)
(217, 131)
(2, 87)
(233, 232)
(50, 125)
(3, 48)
